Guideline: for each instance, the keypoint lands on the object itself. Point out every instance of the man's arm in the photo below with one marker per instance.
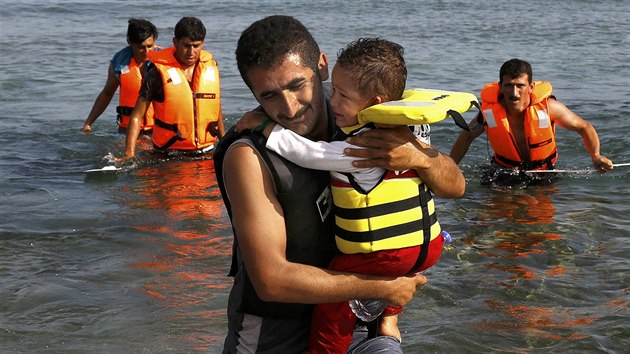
(567, 119)
(465, 138)
(258, 222)
(398, 149)
(133, 130)
(150, 90)
(102, 100)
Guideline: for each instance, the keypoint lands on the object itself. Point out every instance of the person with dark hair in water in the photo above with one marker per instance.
(281, 213)
(125, 70)
(520, 116)
(182, 83)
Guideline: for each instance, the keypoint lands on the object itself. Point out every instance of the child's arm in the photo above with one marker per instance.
(255, 120)
(318, 155)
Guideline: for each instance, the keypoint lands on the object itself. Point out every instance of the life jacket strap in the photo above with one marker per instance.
(425, 198)
(171, 127)
(213, 128)
(530, 165)
(124, 110)
(459, 119)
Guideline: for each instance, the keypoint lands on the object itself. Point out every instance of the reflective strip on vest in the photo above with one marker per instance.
(543, 119)
(490, 118)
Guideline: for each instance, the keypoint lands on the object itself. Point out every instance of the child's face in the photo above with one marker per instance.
(346, 100)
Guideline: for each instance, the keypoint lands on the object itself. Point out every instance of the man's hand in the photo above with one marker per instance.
(602, 164)
(403, 289)
(395, 149)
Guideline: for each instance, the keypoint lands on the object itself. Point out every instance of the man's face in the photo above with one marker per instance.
(140, 50)
(516, 92)
(291, 94)
(187, 51)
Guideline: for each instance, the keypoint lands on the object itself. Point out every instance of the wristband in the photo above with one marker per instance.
(263, 125)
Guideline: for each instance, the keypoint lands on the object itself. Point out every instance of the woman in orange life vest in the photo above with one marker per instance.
(182, 83)
(125, 71)
(519, 116)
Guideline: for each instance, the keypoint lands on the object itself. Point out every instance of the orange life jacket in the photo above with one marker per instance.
(130, 80)
(189, 116)
(539, 129)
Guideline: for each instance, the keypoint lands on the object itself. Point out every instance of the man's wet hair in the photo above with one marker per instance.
(266, 43)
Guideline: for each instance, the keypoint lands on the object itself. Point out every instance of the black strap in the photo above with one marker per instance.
(167, 126)
(425, 198)
(372, 328)
(459, 119)
(124, 110)
(213, 128)
(171, 127)
(529, 165)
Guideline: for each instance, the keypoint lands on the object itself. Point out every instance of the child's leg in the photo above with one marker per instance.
(388, 322)
(388, 326)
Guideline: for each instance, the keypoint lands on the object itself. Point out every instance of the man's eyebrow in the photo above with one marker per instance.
(294, 82)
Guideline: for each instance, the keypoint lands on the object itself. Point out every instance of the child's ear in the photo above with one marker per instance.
(377, 100)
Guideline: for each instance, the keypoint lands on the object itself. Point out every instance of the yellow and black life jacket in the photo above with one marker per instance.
(398, 212)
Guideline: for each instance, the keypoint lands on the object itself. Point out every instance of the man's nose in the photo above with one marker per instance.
(290, 105)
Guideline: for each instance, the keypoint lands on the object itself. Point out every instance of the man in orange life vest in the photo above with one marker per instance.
(519, 116)
(125, 71)
(182, 83)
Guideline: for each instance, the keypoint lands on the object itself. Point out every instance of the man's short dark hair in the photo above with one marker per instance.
(377, 66)
(267, 42)
(190, 27)
(139, 30)
(515, 68)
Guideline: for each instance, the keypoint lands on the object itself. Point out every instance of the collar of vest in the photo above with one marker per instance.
(166, 56)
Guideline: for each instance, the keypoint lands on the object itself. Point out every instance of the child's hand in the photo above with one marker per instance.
(249, 120)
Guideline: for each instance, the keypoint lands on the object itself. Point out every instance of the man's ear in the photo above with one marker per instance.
(323, 66)
(377, 100)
